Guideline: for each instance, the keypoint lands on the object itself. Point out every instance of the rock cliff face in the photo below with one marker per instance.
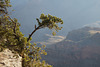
(7, 59)
(82, 33)
(81, 48)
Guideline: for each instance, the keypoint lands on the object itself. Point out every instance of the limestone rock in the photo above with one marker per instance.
(7, 59)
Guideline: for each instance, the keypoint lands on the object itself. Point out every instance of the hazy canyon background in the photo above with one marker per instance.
(77, 44)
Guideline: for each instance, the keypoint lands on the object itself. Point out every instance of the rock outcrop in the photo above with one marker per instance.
(81, 48)
(7, 59)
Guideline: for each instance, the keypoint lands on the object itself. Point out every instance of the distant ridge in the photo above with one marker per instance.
(79, 49)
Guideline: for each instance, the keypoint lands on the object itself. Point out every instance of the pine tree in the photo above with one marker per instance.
(12, 38)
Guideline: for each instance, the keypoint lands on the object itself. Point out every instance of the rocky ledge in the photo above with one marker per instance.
(7, 59)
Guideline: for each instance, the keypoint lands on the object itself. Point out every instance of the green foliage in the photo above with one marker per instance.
(12, 38)
(50, 22)
(3, 6)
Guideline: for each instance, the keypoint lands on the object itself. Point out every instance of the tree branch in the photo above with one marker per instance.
(33, 32)
(14, 23)
(36, 28)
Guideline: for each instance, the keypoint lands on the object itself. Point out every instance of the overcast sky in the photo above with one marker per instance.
(75, 13)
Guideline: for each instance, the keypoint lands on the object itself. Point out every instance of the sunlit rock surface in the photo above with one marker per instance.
(7, 59)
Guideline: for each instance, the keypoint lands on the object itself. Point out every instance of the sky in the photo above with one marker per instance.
(74, 13)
